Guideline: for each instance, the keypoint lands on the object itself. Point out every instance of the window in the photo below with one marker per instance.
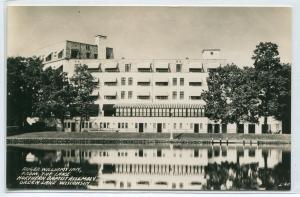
(178, 67)
(109, 53)
(49, 57)
(88, 47)
(60, 54)
(130, 81)
(184, 112)
(164, 125)
(129, 94)
(181, 81)
(181, 95)
(122, 94)
(174, 95)
(127, 67)
(156, 112)
(123, 81)
(174, 126)
(174, 81)
(158, 153)
(74, 53)
(252, 153)
(95, 56)
(88, 55)
(148, 112)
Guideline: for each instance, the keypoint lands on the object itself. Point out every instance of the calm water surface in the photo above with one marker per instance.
(157, 167)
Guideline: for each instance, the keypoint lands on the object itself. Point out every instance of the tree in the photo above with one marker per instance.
(283, 111)
(23, 84)
(231, 96)
(84, 86)
(270, 82)
(56, 95)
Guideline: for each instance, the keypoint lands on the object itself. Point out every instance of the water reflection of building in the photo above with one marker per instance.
(165, 168)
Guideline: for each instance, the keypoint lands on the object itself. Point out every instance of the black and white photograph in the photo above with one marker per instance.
(148, 98)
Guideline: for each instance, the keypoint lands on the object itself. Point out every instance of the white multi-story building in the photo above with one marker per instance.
(144, 95)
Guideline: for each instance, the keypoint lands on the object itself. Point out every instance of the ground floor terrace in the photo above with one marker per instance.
(168, 125)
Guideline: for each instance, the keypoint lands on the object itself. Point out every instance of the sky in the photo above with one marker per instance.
(153, 32)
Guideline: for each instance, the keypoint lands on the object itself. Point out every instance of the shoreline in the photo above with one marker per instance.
(146, 138)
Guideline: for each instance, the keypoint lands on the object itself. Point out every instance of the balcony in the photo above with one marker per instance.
(195, 83)
(143, 97)
(161, 83)
(196, 70)
(143, 83)
(145, 70)
(162, 70)
(162, 97)
(110, 97)
(195, 97)
(111, 83)
(112, 70)
(94, 67)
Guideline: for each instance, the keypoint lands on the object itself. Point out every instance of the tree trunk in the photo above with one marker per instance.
(265, 125)
(62, 121)
(80, 121)
(266, 120)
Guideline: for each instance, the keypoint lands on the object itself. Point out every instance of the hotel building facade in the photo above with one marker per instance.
(145, 95)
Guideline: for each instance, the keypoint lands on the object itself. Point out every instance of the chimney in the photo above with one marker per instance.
(100, 41)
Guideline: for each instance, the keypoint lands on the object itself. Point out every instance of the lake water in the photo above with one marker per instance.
(149, 167)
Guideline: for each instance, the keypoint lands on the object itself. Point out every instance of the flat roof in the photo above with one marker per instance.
(211, 50)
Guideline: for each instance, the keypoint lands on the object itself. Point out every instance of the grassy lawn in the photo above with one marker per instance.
(145, 136)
